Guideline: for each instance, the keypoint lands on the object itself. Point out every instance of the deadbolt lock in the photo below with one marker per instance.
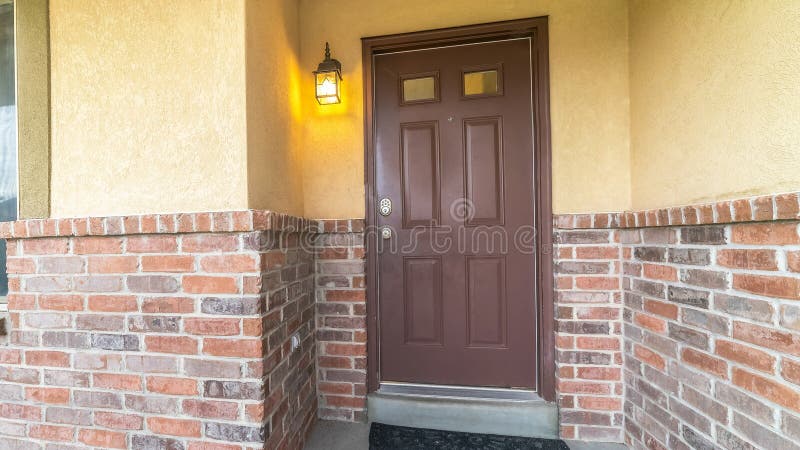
(385, 206)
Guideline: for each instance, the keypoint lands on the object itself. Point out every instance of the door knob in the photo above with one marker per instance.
(385, 206)
(386, 233)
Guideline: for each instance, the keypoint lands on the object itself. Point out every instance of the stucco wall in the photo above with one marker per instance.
(155, 109)
(274, 175)
(208, 104)
(589, 94)
(147, 106)
(715, 97)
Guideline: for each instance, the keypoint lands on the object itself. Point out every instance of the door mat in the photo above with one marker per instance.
(391, 437)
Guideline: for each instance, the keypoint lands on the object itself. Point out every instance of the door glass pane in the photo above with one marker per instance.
(8, 131)
(481, 83)
(419, 89)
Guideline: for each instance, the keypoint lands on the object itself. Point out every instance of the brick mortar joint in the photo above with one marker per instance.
(765, 208)
(176, 223)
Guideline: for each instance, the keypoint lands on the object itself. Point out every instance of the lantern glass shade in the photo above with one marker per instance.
(327, 78)
(327, 84)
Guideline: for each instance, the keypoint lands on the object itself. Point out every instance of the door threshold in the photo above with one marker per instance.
(458, 392)
(531, 417)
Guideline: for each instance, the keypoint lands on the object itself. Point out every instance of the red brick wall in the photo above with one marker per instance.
(704, 296)
(159, 332)
(588, 334)
(341, 320)
(711, 321)
(712, 336)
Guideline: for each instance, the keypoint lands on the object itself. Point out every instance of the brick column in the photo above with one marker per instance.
(588, 334)
(341, 320)
(159, 332)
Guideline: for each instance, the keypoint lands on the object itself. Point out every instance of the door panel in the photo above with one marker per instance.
(483, 159)
(423, 300)
(457, 302)
(486, 297)
(420, 147)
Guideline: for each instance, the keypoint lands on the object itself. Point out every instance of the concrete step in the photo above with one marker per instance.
(527, 418)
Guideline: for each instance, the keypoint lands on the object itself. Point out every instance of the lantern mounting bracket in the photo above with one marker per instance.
(329, 64)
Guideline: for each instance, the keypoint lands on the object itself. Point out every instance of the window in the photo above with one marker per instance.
(419, 88)
(8, 133)
(482, 81)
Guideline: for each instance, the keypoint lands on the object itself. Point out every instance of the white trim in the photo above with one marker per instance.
(457, 392)
(438, 47)
(16, 103)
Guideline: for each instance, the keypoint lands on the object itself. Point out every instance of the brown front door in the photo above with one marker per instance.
(456, 274)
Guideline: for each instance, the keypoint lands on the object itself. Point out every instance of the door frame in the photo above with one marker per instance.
(536, 30)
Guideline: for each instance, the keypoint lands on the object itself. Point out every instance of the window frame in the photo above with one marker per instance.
(415, 76)
(32, 95)
(13, 6)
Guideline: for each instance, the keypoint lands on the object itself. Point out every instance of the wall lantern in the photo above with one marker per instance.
(327, 78)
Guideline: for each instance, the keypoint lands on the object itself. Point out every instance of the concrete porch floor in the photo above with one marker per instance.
(330, 435)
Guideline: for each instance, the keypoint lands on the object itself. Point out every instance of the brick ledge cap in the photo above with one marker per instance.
(764, 208)
(202, 222)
